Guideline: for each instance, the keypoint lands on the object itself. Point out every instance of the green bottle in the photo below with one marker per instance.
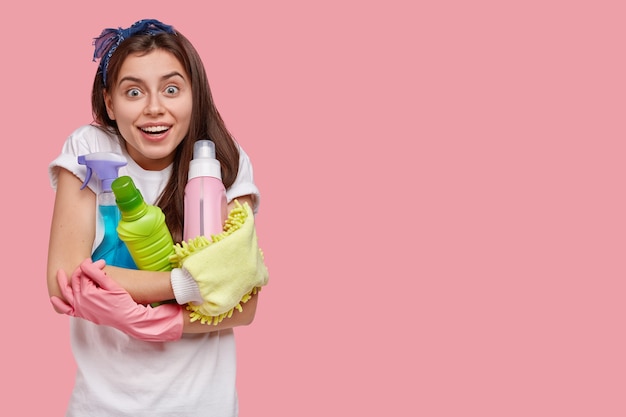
(142, 227)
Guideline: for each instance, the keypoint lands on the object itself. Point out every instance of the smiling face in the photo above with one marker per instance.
(151, 102)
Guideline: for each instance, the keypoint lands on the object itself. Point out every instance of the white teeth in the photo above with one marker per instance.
(154, 129)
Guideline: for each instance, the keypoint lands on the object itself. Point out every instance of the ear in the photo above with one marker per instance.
(109, 105)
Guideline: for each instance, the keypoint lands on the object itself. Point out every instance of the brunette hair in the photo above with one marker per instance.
(206, 122)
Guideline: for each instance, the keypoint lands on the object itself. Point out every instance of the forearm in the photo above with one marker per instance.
(144, 287)
(239, 318)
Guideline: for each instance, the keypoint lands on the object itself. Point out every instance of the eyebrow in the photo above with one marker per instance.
(163, 78)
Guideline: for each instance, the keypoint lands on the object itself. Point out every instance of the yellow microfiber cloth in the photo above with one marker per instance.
(228, 267)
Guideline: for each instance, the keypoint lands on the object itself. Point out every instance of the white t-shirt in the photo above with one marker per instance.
(118, 375)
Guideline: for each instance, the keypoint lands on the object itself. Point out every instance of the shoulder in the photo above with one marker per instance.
(82, 141)
(90, 138)
(244, 184)
(244, 160)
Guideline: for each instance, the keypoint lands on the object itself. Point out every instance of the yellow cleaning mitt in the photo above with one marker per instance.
(228, 268)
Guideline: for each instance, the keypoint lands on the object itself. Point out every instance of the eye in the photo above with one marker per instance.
(171, 90)
(133, 92)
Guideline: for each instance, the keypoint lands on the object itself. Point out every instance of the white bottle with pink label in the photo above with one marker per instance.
(205, 196)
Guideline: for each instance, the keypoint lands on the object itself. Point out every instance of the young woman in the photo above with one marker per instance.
(151, 101)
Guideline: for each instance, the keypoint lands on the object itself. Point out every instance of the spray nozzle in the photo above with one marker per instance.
(106, 166)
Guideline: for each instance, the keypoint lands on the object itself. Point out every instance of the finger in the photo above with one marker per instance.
(100, 263)
(75, 281)
(88, 264)
(66, 290)
(61, 306)
(98, 276)
(87, 285)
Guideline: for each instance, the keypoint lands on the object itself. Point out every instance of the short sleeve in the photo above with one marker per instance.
(244, 183)
(84, 140)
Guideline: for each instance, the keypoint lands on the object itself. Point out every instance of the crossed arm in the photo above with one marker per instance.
(72, 234)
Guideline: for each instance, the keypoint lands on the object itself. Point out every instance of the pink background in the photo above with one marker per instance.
(443, 210)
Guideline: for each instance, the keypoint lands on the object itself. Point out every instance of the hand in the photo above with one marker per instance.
(227, 270)
(92, 295)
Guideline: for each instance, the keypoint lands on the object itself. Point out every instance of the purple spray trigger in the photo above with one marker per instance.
(106, 166)
(81, 160)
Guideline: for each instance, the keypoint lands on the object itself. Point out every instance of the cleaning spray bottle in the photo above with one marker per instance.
(106, 166)
(142, 227)
(205, 208)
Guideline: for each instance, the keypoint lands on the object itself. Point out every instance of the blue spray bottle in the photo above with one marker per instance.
(106, 166)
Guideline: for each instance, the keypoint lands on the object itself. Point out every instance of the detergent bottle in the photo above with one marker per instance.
(205, 208)
(142, 227)
(106, 166)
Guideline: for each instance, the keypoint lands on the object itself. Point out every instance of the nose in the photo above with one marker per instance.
(154, 106)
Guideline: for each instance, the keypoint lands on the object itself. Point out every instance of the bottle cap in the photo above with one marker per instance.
(204, 163)
(127, 196)
(204, 149)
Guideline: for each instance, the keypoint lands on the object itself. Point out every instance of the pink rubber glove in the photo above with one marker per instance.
(93, 296)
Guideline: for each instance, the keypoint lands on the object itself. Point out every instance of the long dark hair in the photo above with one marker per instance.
(206, 122)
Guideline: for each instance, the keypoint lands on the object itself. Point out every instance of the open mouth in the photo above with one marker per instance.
(155, 130)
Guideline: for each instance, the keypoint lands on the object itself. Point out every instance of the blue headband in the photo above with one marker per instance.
(110, 39)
